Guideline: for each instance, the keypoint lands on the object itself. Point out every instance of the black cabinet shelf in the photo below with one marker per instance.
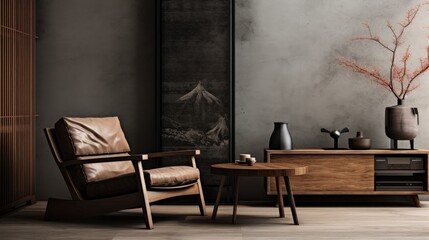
(399, 173)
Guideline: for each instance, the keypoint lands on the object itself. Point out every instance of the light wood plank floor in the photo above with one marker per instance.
(254, 222)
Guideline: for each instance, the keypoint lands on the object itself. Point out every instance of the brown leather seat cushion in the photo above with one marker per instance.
(171, 176)
(158, 177)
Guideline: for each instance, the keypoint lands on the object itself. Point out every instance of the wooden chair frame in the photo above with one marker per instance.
(78, 207)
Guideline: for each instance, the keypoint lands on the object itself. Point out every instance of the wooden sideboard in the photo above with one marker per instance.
(348, 172)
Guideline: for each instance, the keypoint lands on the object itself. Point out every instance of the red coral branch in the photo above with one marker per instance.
(372, 73)
(372, 37)
(399, 76)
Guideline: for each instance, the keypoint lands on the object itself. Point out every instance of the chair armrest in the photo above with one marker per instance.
(133, 157)
(174, 153)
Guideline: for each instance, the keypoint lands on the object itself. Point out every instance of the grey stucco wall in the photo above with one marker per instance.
(94, 58)
(287, 70)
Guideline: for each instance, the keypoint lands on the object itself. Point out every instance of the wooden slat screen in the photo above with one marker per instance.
(17, 105)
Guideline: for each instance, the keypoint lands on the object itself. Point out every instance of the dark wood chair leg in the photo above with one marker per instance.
(412, 144)
(291, 200)
(280, 198)
(219, 194)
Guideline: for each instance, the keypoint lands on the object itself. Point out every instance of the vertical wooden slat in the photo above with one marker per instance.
(2, 165)
(17, 93)
(15, 171)
(9, 105)
(2, 142)
(19, 160)
(6, 52)
(8, 78)
(32, 82)
(20, 96)
(1, 102)
(4, 100)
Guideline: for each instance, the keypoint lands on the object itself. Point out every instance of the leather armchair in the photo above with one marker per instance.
(102, 176)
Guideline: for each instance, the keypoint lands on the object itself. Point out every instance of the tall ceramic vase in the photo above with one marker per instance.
(401, 123)
(280, 138)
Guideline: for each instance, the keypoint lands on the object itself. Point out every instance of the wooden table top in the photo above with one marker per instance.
(259, 169)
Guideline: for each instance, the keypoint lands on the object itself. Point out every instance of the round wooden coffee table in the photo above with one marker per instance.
(277, 170)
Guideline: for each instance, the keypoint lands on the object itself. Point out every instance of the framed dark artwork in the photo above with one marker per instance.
(195, 81)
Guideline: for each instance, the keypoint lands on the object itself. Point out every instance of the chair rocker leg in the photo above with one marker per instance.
(62, 209)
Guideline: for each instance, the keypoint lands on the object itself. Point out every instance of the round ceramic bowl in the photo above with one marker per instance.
(359, 143)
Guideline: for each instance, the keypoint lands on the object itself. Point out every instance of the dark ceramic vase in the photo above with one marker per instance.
(402, 123)
(280, 138)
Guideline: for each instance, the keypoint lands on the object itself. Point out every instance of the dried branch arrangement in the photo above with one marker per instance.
(400, 79)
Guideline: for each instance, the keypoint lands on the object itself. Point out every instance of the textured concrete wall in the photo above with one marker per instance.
(287, 70)
(94, 58)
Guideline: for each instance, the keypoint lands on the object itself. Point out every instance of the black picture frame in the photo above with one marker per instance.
(195, 80)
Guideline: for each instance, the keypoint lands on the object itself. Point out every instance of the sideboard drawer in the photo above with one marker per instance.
(336, 173)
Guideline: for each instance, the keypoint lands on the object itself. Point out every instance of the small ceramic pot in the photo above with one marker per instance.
(250, 161)
(359, 142)
(243, 157)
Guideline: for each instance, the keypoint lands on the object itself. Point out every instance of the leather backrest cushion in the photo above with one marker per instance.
(90, 136)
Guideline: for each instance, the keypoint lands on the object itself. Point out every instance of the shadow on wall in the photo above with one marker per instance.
(94, 58)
